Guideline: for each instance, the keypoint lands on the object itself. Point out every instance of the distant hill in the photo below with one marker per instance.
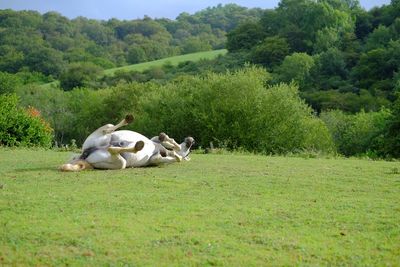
(50, 43)
(175, 60)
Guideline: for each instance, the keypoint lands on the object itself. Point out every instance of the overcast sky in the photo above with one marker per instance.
(132, 9)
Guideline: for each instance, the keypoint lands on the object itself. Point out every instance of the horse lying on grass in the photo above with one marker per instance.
(107, 148)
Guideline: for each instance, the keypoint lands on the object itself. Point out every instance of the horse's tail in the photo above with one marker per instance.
(76, 166)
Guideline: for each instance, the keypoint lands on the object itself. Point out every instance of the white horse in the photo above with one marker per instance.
(107, 148)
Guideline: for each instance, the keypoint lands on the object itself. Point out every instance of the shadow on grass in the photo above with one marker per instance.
(37, 169)
(55, 169)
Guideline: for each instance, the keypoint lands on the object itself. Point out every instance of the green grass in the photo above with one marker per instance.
(171, 60)
(54, 84)
(232, 210)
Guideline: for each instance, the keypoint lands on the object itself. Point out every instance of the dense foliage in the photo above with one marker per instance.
(361, 133)
(392, 133)
(333, 49)
(232, 110)
(48, 43)
(19, 127)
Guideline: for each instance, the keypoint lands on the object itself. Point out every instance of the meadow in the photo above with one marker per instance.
(219, 210)
(175, 60)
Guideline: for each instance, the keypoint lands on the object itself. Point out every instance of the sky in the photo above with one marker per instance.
(133, 9)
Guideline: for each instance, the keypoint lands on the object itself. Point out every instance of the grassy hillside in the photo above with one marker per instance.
(146, 65)
(172, 60)
(214, 210)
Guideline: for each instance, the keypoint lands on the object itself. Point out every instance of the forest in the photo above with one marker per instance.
(319, 76)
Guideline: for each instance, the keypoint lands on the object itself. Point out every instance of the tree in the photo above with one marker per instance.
(45, 60)
(295, 67)
(325, 39)
(363, 24)
(270, 52)
(379, 38)
(329, 71)
(392, 138)
(136, 54)
(8, 83)
(79, 75)
(377, 67)
(11, 59)
(195, 44)
(245, 36)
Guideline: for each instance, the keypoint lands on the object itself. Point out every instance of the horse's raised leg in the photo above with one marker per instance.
(118, 150)
(102, 136)
(168, 142)
(159, 159)
(109, 128)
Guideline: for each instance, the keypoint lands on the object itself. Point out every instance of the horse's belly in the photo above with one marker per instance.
(140, 158)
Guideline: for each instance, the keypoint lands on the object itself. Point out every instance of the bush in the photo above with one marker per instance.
(80, 75)
(8, 83)
(361, 133)
(235, 110)
(72, 114)
(392, 138)
(19, 127)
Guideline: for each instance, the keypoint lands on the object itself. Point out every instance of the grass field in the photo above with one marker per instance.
(231, 210)
(171, 60)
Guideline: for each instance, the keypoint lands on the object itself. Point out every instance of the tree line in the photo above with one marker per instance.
(50, 43)
(340, 55)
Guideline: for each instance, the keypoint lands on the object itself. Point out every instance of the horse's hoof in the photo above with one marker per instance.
(162, 136)
(178, 158)
(129, 118)
(139, 146)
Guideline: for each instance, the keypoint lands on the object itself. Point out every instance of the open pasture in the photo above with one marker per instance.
(175, 60)
(214, 210)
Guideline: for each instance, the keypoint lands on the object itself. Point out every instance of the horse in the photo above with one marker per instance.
(107, 148)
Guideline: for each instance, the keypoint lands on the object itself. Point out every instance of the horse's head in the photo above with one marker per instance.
(186, 146)
(189, 142)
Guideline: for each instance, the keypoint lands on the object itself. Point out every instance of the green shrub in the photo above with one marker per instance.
(288, 124)
(356, 134)
(82, 74)
(19, 127)
(72, 114)
(8, 83)
(27, 77)
(392, 133)
(235, 110)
